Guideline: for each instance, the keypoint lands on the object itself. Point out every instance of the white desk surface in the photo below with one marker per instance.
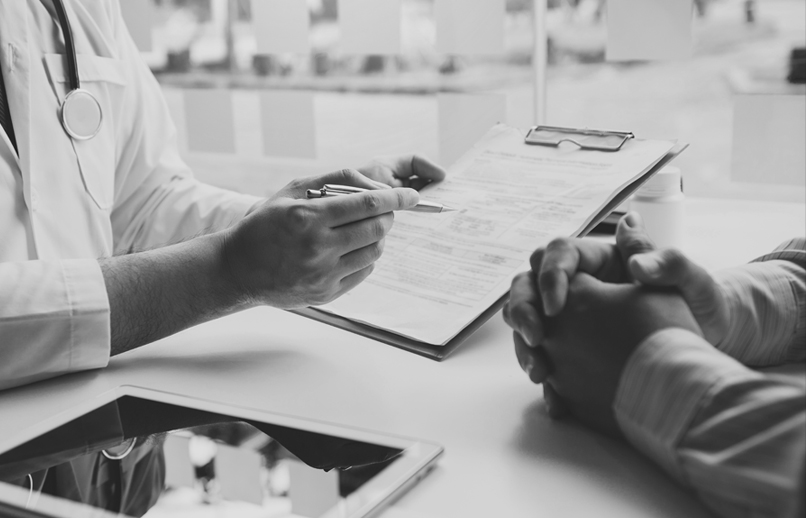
(504, 456)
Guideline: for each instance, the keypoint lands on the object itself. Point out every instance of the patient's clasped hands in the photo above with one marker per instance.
(585, 306)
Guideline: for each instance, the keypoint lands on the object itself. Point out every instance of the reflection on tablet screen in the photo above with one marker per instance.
(141, 457)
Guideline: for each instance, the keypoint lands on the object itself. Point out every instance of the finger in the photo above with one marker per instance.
(341, 210)
(533, 360)
(407, 166)
(559, 263)
(523, 314)
(425, 169)
(556, 406)
(381, 174)
(536, 259)
(563, 258)
(670, 267)
(350, 177)
(632, 238)
(359, 259)
(359, 234)
(353, 280)
(409, 170)
(667, 267)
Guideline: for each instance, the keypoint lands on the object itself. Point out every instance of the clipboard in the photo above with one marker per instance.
(538, 135)
(597, 140)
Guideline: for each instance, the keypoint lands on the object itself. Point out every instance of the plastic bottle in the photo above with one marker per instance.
(661, 204)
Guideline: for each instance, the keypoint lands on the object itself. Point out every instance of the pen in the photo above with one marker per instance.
(331, 190)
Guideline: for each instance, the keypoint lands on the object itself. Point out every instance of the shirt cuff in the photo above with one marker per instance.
(765, 312)
(666, 380)
(90, 335)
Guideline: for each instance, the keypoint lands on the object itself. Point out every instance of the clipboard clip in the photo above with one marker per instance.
(598, 140)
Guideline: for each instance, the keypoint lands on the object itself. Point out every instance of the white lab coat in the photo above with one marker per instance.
(64, 203)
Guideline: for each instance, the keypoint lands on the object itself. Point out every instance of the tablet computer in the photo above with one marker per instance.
(139, 452)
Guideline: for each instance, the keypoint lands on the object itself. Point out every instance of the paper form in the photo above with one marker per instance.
(139, 18)
(209, 121)
(440, 271)
(370, 26)
(281, 26)
(287, 118)
(769, 132)
(470, 27)
(648, 29)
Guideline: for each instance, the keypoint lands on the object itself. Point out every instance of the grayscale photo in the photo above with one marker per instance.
(402, 258)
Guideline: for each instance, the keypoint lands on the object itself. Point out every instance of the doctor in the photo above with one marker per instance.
(93, 194)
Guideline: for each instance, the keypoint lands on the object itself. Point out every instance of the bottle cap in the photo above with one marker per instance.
(667, 182)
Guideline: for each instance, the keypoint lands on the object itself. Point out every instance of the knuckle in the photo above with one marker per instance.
(321, 286)
(674, 255)
(519, 314)
(299, 216)
(296, 184)
(380, 228)
(536, 259)
(350, 176)
(372, 202)
(375, 251)
(639, 243)
(520, 280)
(558, 244)
(674, 259)
(315, 248)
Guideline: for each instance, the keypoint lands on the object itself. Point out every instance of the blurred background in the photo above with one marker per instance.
(368, 105)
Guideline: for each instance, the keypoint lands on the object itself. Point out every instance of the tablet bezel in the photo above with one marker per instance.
(418, 459)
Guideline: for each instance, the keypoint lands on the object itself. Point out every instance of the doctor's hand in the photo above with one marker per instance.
(291, 252)
(589, 343)
(404, 171)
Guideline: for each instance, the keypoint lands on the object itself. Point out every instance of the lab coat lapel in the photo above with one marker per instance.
(16, 62)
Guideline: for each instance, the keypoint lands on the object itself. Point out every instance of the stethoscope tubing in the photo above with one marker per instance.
(70, 48)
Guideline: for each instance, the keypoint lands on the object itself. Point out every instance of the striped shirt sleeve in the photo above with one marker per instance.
(767, 307)
(736, 436)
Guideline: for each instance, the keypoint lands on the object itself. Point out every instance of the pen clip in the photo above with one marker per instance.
(342, 188)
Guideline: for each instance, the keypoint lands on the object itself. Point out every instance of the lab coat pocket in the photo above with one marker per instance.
(105, 80)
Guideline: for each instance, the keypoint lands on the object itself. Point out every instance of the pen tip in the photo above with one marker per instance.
(448, 209)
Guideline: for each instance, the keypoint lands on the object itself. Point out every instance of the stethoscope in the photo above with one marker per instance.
(106, 453)
(80, 112)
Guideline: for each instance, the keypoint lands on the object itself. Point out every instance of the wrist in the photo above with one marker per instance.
(228, 280)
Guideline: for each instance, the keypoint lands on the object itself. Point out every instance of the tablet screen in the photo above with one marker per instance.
(141, 457)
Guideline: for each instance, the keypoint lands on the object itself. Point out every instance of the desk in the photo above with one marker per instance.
(504, 456)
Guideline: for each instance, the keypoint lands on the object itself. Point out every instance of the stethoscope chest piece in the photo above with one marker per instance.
(81, 114)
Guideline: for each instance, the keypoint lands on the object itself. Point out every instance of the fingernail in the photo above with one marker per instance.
(650, 265)
(528, 335)
(632, 220)
(528, 365)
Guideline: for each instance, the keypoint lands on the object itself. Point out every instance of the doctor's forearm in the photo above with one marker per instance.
(160, 292)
